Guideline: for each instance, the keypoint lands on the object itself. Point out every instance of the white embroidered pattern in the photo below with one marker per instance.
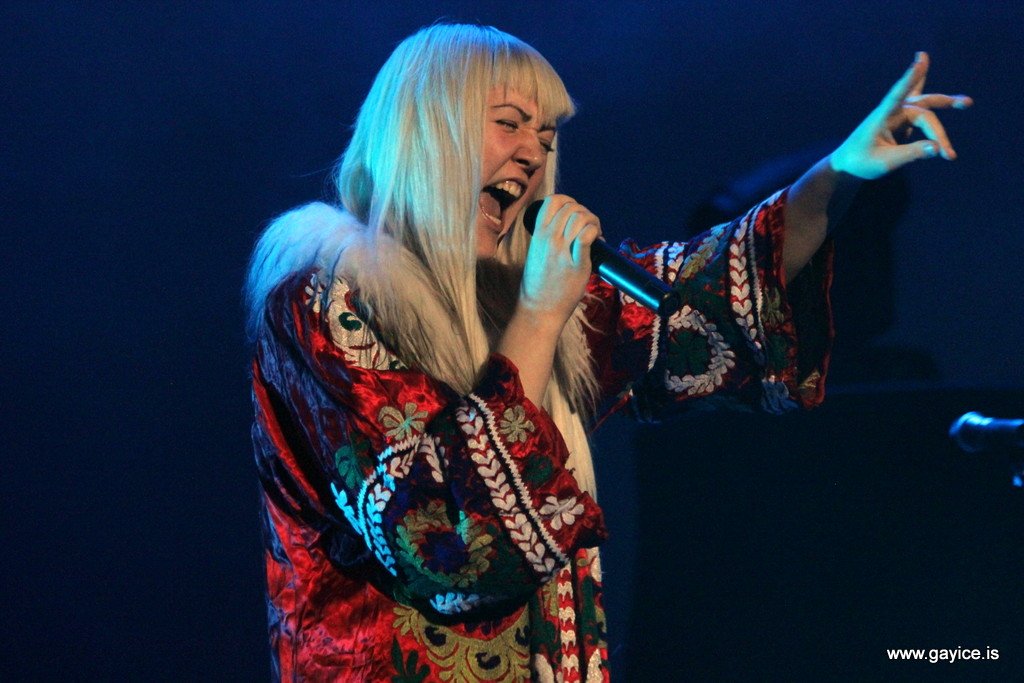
(754, 284)
(353, 336)
(674, 258)
(775, 396)
(365, 513)
(560, 512)
(567, 626)
(594, 557)
(512, 499)
(428, 449)
(659, 271)
(740, 287)
(594, 674)
(457, 603)
(542, 670)
(313, 291)
(722, 358)
(626, 300)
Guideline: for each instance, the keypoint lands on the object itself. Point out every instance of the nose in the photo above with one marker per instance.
(530, 154)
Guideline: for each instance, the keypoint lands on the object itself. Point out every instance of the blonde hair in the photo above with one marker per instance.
(411, 175)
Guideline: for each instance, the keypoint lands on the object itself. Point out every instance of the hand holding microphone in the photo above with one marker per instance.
(617, 270)
(557, 266)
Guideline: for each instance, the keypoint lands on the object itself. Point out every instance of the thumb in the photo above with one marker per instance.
(905, 154)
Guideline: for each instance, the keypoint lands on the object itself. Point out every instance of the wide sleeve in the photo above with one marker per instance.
(744, 337)
(464, 500)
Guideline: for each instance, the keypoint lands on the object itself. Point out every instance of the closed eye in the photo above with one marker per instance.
(513, 126)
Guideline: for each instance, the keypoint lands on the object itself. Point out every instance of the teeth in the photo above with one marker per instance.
(510, 186)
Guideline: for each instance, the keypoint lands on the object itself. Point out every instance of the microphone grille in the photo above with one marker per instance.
(530, 215)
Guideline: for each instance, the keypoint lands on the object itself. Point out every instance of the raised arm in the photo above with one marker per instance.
(818, 199)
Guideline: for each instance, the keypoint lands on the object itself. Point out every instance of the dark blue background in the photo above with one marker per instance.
(145, 144)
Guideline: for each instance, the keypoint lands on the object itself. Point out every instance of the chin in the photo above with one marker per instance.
(487, 241)
(486, 250)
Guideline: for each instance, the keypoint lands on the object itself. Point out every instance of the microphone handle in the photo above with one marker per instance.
(633, 280)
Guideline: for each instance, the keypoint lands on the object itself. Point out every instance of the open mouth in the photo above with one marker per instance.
(496, 198)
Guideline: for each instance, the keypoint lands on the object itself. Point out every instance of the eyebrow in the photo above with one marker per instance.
(526, 117)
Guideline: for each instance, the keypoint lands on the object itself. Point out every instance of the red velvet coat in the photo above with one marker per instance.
(416, 534)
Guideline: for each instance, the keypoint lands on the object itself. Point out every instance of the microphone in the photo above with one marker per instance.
(618, 271)
(974, 432)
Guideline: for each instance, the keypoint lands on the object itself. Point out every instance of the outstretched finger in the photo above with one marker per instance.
(938, 101)
(911, 78)
(918, 84)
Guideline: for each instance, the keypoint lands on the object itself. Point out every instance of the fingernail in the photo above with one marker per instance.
(962, 102)
(917, 56)
(930, 150)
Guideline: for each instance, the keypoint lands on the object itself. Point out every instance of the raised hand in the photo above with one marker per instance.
(874, 148)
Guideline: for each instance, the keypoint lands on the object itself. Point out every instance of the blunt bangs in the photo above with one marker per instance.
(517, 66)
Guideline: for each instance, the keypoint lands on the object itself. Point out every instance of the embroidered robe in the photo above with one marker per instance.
(416, 534)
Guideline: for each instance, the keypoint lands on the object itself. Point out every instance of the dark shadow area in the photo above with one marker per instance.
(805, 546)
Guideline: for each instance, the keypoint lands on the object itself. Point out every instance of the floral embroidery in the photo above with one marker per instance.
(457, 603)
(366, 512)
(699, 259)
(447, 556)
(409, 502)
(772, 314)
(513, 509)
(514, 424)
(809, 387)
(407, 668)
(465, 659)
(561, 512)
(351, 334)
(375, 501)
(720, 359)
(594, 558)
(313, 292)
(400, 426)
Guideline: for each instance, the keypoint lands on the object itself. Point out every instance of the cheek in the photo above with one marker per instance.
(537, 180)
(486, 242)
(493, 156)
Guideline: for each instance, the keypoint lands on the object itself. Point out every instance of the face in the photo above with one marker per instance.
(516, 145)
